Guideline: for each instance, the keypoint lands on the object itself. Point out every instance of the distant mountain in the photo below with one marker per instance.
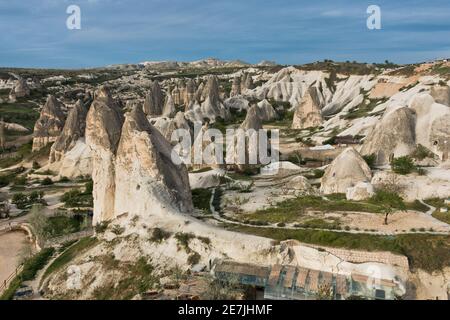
(204, 63)
(267, 63)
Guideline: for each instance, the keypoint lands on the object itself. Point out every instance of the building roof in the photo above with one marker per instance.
(301, 277)
(290, 271)
(242, 268)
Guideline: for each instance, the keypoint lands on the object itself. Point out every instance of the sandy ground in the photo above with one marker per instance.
(11, 245)
(399, 221)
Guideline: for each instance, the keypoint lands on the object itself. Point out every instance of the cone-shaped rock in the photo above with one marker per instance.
(252, 119)
(169, 107)
(74, 129)
(266, 112)
(248, 82)
(103, 129)
(212, 107)
(20, 90)
(308, 112)
(189, 92)
(49, 125)
(393, 136)
(235, 87)
(154, 100)
(346, 171)
(145, 170)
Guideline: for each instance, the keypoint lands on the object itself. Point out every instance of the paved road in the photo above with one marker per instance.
(431, 209)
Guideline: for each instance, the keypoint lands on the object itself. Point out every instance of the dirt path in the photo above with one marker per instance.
(12, 244)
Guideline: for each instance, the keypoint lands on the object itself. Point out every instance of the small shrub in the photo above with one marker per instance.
(421, 153)
(101, 227)
(47, 182)
(158, 235)
(318, 173)
(194, 258)
(403, 165)
(64, 179)
(117, 230)
(183, 239)
(370, 160)
(205, 240)
(36, 165)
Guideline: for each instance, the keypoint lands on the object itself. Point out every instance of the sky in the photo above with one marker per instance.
(34, 32)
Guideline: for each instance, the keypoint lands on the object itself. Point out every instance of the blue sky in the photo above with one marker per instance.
(34, 33)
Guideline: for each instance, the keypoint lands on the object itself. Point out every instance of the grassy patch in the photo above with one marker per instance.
(68, 255)
(442, 216)
(138, 279)
(21, 113)
(292, 209)
(320, 224)
(416, 206)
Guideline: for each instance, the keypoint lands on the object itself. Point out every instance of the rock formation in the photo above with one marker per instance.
(73, 130)
(20, 90)
(103, 130)
(248, 82)
(429, 115)
(393, 136)
(154, 100)
(169, 107)
(252, 119)
(49, 125)
(176, 95)
(190, 92)
(249, 141)
(155, 177)
(266, 112)
(440, 137)
(236, 103)
(346, 171)
(235, 87)
(441, 94)
(206, 150)
(243, 81)
(308, 112)
(361, 191)
(167, 126)
(212, 106)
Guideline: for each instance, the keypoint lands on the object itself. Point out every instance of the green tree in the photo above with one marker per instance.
(390, 201)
